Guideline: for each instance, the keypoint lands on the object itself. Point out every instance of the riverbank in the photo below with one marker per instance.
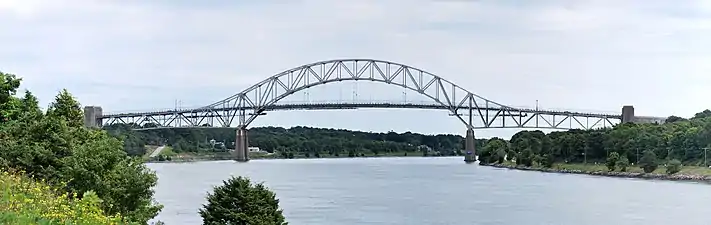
(688, 173)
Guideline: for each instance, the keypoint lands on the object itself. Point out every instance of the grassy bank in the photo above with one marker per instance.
(691, 173)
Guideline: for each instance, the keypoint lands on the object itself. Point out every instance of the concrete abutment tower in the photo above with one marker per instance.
(241, 153)
(470, 147)
(628, 114)
(92, 116)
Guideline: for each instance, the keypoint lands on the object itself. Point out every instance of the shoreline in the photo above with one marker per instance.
(646, 176)
(221, 158)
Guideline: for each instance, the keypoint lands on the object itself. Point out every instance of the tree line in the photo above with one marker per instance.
(296, 140)
(678, 139)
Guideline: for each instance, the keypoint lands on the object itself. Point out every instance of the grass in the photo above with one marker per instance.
(168, 151)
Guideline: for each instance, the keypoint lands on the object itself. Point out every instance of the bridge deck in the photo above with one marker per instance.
(342, 106)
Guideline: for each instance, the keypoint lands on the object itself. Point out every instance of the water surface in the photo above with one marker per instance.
(415, 190)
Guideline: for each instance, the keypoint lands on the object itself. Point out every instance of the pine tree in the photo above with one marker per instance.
(238, 201)
(30, 105)
(66, 108)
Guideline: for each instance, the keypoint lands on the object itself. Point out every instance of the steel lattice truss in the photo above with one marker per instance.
(474, 111)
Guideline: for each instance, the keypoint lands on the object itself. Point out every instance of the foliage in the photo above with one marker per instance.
(612, 161)
(526, 158)
(25, 201)
(57, 148)
(287, 142)
(623, 163)
(648, 162)
(493, 151)
(673, 166)
(239, 201)
(547, 160)
(682, 139)
(510, 155)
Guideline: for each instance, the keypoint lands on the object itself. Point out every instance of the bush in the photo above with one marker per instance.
(238, 201)
(623, 163)
(673, 166)
(25, 201)
(500, 155)
(612, 161)
(648, 162)
(547, 160)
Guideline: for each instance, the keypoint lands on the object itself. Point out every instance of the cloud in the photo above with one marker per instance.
(133, 55)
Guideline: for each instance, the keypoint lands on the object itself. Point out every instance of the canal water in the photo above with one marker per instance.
(414, 190)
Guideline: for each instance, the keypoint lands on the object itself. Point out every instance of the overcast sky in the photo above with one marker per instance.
(584, 55)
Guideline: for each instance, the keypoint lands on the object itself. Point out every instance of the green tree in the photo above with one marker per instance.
(648, 162)
(65, 107)
(673, 119)
(30, 105)
(547, 160)
(612, 161)
(59, 149)
(673, 166)
(526, 157)
(239, 201)
(510, 155)
(9, 104)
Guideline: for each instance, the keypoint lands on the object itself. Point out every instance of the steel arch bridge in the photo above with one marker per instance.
(474, 111)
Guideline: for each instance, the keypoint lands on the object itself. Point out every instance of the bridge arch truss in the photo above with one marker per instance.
(474, 111)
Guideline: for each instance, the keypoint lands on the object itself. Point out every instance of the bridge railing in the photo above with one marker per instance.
(368, 102)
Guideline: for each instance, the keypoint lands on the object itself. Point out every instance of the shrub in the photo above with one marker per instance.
(623, 163)
(238, 201)
(547, 160)
(25, 201)
(673, 166)
(648, 162)
(612, 161)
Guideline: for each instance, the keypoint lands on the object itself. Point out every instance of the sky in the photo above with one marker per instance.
(136, 55)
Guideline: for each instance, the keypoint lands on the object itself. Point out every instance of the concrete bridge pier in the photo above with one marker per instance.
(470, 148)
(241, 153)
(92, 115)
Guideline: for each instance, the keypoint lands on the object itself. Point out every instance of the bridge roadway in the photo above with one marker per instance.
(345, 106)
(505, 117)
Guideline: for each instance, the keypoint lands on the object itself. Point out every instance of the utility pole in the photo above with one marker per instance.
(637, 155)
(706, 162)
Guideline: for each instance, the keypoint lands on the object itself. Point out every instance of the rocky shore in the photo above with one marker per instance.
(653, 176)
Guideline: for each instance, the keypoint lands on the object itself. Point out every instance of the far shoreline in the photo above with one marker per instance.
(207, 158)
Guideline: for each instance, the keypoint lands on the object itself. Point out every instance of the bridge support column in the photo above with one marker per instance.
(92, 115)
(241, 153)
(470, 148)
(627, 114)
